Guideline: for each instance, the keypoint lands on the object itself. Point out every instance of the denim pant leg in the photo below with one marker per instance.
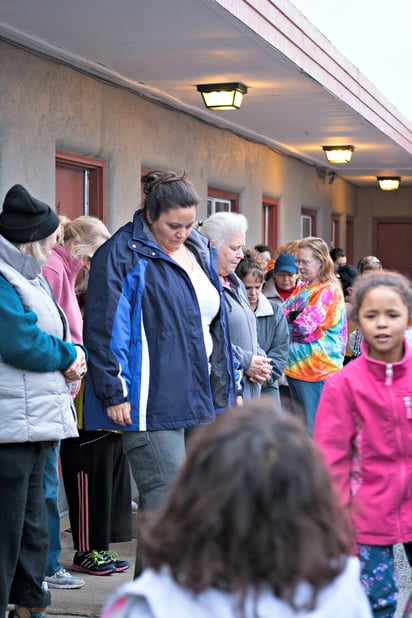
(155, 459)
(51, 495)
(307, 395)
(378, 577)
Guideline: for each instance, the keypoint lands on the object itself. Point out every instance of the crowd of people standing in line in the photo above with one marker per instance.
(185, 304)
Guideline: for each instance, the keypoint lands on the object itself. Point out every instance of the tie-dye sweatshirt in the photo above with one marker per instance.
(319, 332)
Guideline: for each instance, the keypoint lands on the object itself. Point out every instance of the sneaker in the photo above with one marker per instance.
(25, 612)
(63, 579)
(121, 565)
(93, 562)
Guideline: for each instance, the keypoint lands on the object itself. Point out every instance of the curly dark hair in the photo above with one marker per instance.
(380, 278)
(253, 506)
(165, 191)
(347, 275)
(248, 265)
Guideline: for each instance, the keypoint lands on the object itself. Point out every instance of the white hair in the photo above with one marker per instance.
(221, 226)
(33, 248)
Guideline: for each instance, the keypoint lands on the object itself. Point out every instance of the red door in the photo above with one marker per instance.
(393, 244)
(80, 186)
(70, 197)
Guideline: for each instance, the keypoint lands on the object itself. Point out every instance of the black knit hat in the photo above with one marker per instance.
(24, 218)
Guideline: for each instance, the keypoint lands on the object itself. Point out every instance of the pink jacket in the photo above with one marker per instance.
(61, 271)
(364, 428)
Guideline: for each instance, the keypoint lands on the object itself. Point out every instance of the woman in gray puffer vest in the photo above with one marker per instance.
(37, 363)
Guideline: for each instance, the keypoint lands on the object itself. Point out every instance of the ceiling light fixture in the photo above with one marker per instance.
(338, 154)
(222, 96)
(389, 183)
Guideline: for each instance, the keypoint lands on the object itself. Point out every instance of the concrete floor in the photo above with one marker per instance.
(89, 600)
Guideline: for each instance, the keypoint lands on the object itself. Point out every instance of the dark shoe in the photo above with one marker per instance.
(93, 562)
(25, 612)
(121, 565)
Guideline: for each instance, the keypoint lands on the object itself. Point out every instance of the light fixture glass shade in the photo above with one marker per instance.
(222, 96)
(338, 154)
(389, 183)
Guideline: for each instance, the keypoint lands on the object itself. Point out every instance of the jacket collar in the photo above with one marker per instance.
(23, 263)
(387, 372)
(264, 308)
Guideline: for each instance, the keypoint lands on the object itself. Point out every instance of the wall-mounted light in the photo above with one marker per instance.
(338, 154)
(222, 96)
(389, 183)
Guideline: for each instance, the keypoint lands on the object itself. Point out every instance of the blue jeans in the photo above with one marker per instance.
(306, 395)
(51, 495)
(155, 458)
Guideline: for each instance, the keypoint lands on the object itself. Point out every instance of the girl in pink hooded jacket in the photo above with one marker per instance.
(364, 428)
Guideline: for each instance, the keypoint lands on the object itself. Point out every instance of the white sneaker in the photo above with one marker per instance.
(64, 579)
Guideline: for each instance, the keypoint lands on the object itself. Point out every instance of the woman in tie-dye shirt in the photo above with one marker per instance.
(317, 327)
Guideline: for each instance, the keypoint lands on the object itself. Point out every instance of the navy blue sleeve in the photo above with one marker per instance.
(107, 308)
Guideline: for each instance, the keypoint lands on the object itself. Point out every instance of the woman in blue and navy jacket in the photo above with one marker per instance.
(160, 356)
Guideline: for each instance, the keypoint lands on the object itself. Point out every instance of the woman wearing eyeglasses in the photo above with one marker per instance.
(316, 315)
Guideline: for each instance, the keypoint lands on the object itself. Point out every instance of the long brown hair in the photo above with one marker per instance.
(253, 506)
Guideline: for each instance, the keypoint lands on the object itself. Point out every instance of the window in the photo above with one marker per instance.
(335, 229)
(215, 204)
(270, 222)
(307, 222)
(221, 201)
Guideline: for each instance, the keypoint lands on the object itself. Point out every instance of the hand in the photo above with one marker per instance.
(120, 413)
(78, 368)
(260, 369)
(293, 315)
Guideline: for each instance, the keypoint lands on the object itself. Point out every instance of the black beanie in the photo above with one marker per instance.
(25, 219)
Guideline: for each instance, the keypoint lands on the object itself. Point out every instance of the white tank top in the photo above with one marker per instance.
(208, 299)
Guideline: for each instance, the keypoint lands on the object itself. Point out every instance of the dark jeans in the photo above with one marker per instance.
(306, 395)
(23, 525)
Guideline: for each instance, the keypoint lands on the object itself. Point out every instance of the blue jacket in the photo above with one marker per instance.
(144, 335)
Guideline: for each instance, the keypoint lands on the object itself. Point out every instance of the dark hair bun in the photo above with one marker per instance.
(152, 179)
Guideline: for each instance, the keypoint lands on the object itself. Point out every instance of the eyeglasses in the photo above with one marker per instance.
(305, 262)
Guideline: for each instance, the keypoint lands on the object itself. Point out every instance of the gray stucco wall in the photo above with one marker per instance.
(46, 106)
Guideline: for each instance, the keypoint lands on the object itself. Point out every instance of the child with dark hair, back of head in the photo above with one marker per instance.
(251, 528)
(364, 426)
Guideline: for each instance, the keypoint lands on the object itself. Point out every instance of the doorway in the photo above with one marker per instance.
(80, 186)
(392, 243)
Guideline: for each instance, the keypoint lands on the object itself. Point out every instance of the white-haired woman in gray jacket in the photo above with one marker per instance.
(227, 231)
(37, 362)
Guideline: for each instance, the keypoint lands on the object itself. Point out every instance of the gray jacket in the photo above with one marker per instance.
(36, 405)
(243, 332)
(270, 291)
(273, 337)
